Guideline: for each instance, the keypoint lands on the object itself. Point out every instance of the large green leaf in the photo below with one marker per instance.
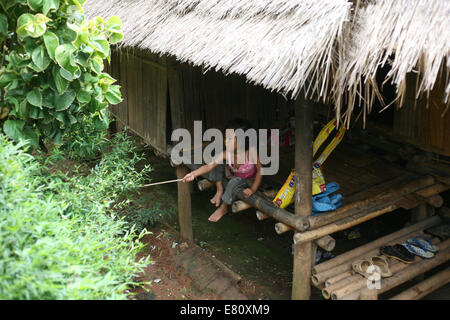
(114, 25)
(113, 95)
(62, 102)
(14, 129)
(32, 136)
(50, 5)
(3, 24)
(64, 57)
(35, 98)
(35, 4)
(40, 58)
(32, 26)
(51, 43)
(83, 97)
(100, 44)
(60, 83)
(24, 20)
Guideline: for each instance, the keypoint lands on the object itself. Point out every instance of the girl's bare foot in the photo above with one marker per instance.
(219, 213)
(217, 197)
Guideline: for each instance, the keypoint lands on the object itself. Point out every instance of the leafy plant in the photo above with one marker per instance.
(60, 238)
(51, 68)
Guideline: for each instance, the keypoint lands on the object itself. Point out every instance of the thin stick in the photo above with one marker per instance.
(163, 182)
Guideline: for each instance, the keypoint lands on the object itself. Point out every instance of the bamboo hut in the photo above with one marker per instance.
(266, 60)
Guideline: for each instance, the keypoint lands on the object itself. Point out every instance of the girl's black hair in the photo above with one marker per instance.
(239, 123)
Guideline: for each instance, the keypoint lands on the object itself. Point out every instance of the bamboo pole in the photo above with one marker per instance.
(432, 190)
(340, 225)
(402, 272)
(303, 253)
(375, 244)
(261, 216)
(436, 201)
(239, 205)
(326, 292)
(281, 228)
(376, 202)
(327, 243)
(425, 287)
(338, 278)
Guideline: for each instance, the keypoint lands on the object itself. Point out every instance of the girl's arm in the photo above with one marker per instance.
(203, 169)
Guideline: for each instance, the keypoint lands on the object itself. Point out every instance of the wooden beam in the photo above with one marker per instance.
(302, 237)
(303, 253)
(184, 205)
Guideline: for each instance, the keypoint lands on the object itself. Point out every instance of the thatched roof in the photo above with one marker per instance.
(409, 35)
(278, 44)
(328, 47)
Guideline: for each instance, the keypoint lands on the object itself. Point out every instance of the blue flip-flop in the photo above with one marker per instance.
(423, 243)
(418, 251)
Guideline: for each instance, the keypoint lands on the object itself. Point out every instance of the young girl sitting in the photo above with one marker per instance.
(247, 175)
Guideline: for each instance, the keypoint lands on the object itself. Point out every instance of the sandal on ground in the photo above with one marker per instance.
(398, 252)
(361, 267)
(382, 263)
(418, 251)
(423, 243)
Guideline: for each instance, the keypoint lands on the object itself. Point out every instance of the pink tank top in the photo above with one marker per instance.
(245, 171)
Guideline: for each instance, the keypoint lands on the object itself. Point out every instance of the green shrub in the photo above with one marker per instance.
(51, 68)
(59, 235)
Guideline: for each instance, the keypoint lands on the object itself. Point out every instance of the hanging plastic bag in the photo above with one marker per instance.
(285, 195)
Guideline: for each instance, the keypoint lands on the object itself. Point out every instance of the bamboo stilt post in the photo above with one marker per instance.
(301, 287)
(184, 205)
(425, 287)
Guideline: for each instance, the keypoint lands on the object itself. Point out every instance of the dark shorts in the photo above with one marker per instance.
(234, 186)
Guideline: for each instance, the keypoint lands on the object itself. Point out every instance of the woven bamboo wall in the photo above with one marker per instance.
(423, 123)
(153, 85)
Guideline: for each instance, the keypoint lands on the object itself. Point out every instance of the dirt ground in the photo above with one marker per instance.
(169, 276)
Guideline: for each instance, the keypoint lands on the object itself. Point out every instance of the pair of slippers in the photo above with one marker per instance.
(367, 267)
(422, 247)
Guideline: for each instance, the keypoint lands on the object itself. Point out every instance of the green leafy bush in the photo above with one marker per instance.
(59, 234)
(51, 68)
